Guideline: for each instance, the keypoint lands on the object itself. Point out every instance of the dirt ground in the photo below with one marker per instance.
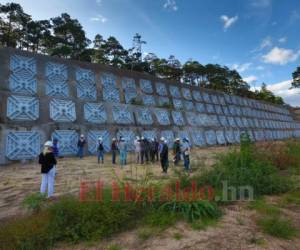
(20, 179)
(236, 230)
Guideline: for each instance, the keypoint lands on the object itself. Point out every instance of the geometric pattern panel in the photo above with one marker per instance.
(108, 80)
(169, 136)
(230, 136)
(211, 138)
(161, 89)
(144, 116)
(188, 105)
(259, 135)
(146, 86)
(56, 83)
(210, 108)
(174, 91)
(177, 103)
(149, 134)
(148, 100)
(94, 112)
(62, 111)
(200, 107)
(93, 139)
(163, 101)
(223, 120)
(111, 94)
(237, 136)
(215, 99)
(198, 138)
(197, 95)
(162, 116)
(67, 140)
(220, 137)
(22, 108)
(192, 118)
(206, 97)
(86, 84)
(23, 75)
(129, 137)
(129, 87)
(178, 118)
(186, 93)
(22, 145)
(122, 114)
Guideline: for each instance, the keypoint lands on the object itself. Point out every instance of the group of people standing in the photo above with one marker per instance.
(146, 150)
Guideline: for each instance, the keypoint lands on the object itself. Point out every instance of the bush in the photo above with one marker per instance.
(34, 202)
(193, 210)
(278, 227)
(26, 233)
(246, 168)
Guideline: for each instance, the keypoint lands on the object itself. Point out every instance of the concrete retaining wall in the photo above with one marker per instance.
(42, 97)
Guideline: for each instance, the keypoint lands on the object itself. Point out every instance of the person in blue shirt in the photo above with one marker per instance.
(100, 150)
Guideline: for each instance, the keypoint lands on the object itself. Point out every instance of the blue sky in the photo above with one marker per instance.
(259, 38)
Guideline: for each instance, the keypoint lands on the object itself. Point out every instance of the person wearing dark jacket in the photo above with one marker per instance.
(48, 163)
(164, 159)
(176, 151)
(80, 146)
(114, 150)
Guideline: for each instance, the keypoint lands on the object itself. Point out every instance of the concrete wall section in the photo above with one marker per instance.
(43, 97)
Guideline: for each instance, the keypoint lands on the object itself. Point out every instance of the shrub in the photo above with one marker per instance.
(245, 168)
(26, 233)
(278, 227)
(193, 210)
(34, 202)
(264, 208)
(135, 101)
(159, 219)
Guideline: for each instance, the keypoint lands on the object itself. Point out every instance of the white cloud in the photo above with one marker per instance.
(170, 5)
(228, 21)
(281, 56)
(261, 3)
(265, 43)
(99, 18)
(260, 67)
(282, 39)
(250, 79)
(241, 67)
(290, 96)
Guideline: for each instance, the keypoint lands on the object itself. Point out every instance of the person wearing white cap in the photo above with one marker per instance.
(137, 149)
(123, 151)
(164, 160)
(48, 163)
(80, 146)
(100, 150)
(186, 149)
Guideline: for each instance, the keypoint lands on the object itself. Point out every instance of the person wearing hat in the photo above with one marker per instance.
(123, 151)
(100, 149)
(164, 160)
(137, 149)
(48, 163)
(80, 146)
(176, 151)
(186, 150)
(114, 150)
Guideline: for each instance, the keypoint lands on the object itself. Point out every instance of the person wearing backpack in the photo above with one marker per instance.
(48, 163)
(100, 149)
(164, 160)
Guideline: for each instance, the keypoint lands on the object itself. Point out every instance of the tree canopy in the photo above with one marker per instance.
(64, 36)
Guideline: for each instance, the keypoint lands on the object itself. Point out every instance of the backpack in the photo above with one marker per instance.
(100, 147)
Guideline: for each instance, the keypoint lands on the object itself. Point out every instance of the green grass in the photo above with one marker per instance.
(177, 236)
(114, 247)
(289, 198)
(264, 208)
(278, 227)
(146, 233)
(203, 224)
